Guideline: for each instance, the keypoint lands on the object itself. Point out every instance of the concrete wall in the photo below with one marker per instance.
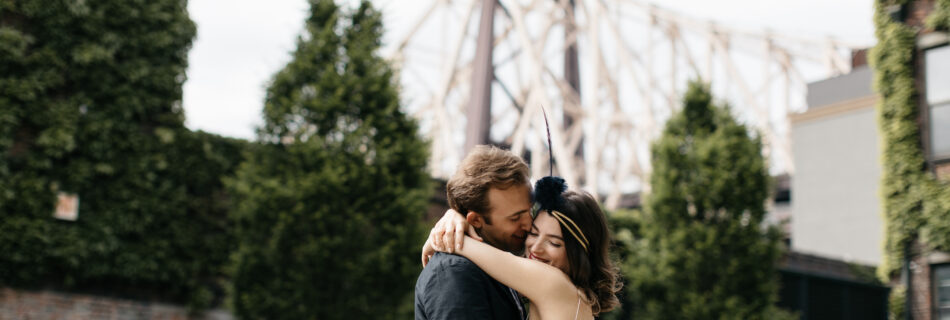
(836, 207)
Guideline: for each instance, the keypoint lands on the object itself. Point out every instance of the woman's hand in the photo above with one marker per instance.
(447, 235)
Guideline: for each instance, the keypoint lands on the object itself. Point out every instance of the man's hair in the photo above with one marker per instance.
(484, 168)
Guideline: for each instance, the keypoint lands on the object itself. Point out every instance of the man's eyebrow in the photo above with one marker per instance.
(519, 212)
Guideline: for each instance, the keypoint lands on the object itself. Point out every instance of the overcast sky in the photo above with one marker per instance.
(242, 43)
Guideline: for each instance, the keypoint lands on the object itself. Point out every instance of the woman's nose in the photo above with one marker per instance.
(535, 247)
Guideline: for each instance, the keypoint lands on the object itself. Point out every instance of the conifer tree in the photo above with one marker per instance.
(703, 252)
(329, 204)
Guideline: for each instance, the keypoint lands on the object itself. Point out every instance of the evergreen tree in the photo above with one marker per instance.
(329, 204)
(704, 252)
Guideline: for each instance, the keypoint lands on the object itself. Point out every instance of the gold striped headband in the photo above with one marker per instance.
(579, 235)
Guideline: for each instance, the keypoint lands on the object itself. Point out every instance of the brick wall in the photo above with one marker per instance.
(918, 12)
(48, 305)
(922, 300)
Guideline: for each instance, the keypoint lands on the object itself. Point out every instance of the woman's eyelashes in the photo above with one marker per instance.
(534, 234)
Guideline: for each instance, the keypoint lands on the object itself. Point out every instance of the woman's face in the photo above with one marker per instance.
(545, 242)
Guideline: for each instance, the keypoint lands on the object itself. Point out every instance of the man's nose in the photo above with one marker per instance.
(526, 222)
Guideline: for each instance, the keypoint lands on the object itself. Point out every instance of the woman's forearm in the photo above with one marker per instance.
(533, 279)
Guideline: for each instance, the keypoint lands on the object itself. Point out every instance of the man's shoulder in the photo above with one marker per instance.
(446, 269)
(449, 262)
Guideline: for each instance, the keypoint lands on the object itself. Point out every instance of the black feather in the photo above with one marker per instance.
(547, 192)
(550, 148)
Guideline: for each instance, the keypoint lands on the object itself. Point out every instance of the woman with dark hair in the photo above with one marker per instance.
(565, 272)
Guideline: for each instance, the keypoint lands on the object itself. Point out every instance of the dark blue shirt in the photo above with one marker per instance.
(453, 287)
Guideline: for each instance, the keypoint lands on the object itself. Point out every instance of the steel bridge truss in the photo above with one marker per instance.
(607, 73)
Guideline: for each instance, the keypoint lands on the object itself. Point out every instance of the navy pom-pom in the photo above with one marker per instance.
(547, 192)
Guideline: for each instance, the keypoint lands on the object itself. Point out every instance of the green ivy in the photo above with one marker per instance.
(916, 205)
(90, 103)
(940, 18)
(896, 303)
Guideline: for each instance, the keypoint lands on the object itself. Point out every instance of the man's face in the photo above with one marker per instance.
(510, 218)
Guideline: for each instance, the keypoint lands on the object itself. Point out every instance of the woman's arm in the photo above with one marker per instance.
(538, 281)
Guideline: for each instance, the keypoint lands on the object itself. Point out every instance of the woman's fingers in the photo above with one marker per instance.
(459, 234)
(438, 231)
(447, 234)
(447, 240)
(435, 236)
(427, 252)
(472, 233)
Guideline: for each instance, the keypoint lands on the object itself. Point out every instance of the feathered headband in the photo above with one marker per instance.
(547, 193)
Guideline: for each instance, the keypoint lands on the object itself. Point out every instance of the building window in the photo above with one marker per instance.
(941, 283)
(938, 100)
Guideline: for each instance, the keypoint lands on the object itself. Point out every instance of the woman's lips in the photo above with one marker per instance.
(534, 257)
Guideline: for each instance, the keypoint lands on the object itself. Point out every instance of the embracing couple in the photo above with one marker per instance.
(552, 252)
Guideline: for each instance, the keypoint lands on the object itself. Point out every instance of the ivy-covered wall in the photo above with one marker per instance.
(90, 103)
(916, 205)
(940, 18)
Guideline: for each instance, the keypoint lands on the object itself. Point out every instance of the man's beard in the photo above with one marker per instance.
(500, 244)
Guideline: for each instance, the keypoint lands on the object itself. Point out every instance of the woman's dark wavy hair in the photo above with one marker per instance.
(594, 274)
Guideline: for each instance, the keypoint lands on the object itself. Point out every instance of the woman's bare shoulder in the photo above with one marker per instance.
(558, 289)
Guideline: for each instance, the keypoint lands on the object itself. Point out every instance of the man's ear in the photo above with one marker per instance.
(474, 219)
